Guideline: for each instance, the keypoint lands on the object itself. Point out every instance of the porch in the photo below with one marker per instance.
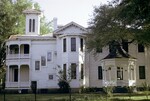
(17, 77)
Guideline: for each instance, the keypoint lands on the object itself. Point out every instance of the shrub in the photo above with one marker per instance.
(64, 86)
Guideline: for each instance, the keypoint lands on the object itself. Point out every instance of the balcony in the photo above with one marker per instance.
(18, 56)
(18, 51)
(17, 85)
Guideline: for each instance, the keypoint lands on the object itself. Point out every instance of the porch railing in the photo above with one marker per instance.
(17, 56)
(17, 84)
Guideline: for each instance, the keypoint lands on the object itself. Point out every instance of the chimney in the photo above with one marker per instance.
(54, 23)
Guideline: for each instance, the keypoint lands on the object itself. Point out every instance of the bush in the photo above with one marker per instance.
(64, 86)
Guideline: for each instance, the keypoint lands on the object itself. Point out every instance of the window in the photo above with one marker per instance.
(26, 49)
(82, 71)
(100, 72)
(49, 56)
(64, 71)
(43, 61)
(50, 77)
(33, 29)
(140, 48)
(30, 24)
(119, 73)
(37, 65)
(15, 75)
(142, 72)
(81, 44)
(64, 45)
(73, 44)
(125, 46)
(73, 71)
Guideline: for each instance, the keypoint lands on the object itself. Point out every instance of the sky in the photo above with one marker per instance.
(79, 11)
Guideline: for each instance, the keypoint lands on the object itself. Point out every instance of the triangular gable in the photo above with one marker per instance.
(71, 28)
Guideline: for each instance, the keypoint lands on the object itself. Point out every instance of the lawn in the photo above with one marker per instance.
(75, 97)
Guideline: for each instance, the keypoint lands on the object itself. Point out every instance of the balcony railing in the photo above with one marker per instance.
(119, 83)
(17, 85)
(17, 56)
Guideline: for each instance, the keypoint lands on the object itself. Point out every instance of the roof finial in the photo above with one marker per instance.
(33, 6)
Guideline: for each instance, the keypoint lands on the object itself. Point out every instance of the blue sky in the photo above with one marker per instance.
(79, 11)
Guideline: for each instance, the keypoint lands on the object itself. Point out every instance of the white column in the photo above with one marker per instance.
(7, 73)
(18, 76)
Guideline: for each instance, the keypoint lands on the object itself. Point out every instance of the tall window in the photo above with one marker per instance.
(64, 71)
(33, 28)
(26, 49)
(31, 25)
(81, 44)
(142, 72)
(82, 71)
(100, 73)
(16, 75)
(37, 65)
(73, 71)
(119, 73)
(73, 44)
(140, 48)
(64, 45)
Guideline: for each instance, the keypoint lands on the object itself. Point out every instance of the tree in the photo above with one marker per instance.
(107, 28)
(12, 21)
(136, 13)
(65, 76)
(110, 23)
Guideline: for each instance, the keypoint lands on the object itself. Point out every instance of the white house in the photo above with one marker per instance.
(33, 58)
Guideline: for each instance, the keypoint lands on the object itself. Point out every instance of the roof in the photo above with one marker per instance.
(119, 52)
(32, 11)
(68, 25)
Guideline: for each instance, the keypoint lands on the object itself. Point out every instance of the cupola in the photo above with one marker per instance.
(32, 21)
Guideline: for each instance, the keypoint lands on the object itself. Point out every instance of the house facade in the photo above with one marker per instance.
(33, 59)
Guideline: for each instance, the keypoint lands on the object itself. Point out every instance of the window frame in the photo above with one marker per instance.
(73, 44)
(141, 74)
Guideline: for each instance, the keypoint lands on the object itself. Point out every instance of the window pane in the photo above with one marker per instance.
(43, 61)
(37, 65)
(49, 56)
(26, 49)
(142, 72)
(100, 72)
(73, 71)
(73, 44)
(64, 45)
(30, 24)
(81, 44)
(33, 25)
(140, 48)
(119, 73)
(64, 71)
(82, 71)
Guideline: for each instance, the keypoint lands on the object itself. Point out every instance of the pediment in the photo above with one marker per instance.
(72, 29)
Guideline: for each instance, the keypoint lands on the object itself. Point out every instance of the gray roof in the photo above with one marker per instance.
(32, 11)
(119, 52)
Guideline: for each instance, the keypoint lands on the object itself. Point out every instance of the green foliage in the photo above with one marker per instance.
(64, 86)
(146, 89)
(46, 27)
(118, 21)
(108, 90)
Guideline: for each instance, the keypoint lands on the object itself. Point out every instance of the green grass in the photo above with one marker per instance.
(75, 97)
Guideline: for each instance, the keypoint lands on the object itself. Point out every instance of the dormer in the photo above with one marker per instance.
(32, 21)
